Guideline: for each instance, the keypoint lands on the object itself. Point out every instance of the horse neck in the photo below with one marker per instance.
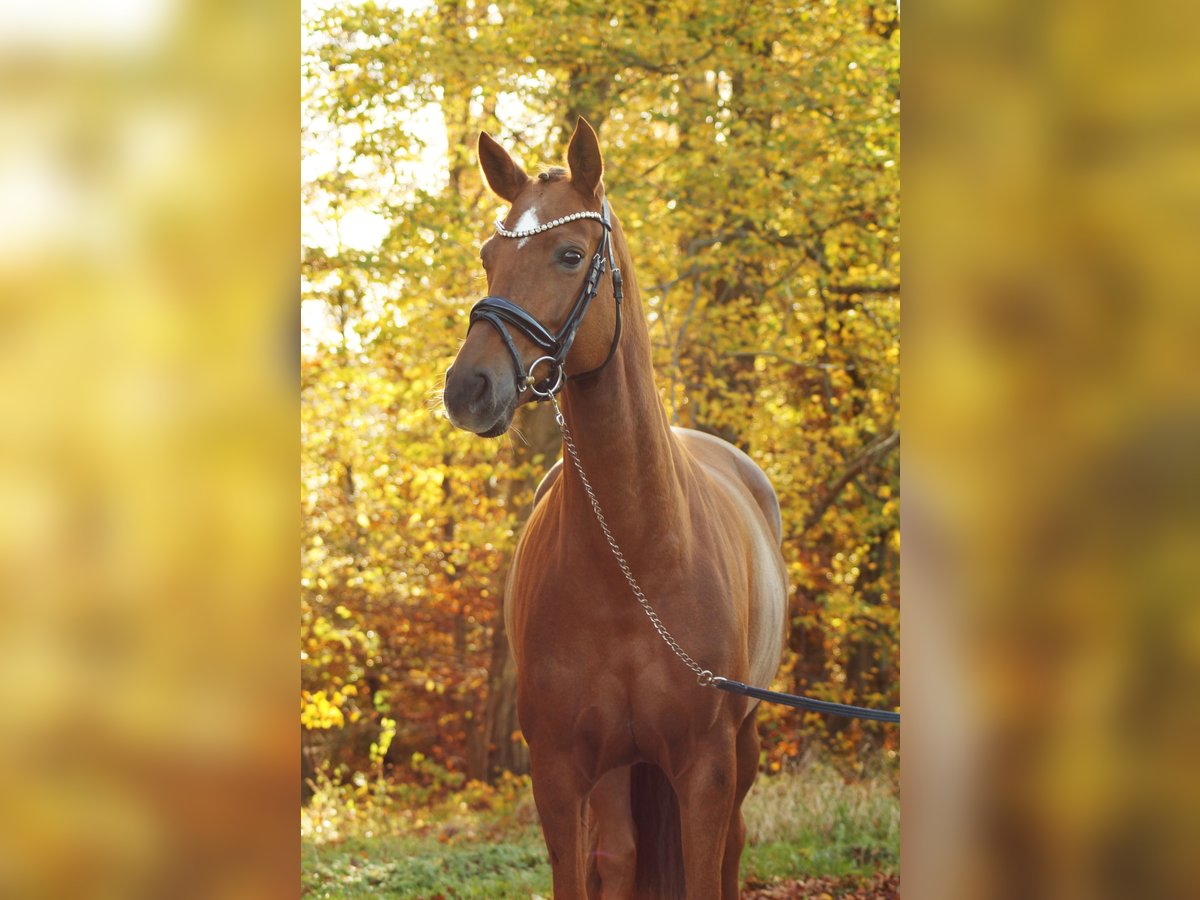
(621, 430)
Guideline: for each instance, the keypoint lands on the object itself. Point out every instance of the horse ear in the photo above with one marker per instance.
(502, 173)
(583, 156)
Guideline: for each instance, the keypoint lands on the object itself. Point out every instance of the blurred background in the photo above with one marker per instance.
(148, 331)
(148, 221)
(1051, 480)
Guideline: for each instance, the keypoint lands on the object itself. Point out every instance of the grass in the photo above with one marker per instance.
(810, 821)
(485, 842)
(422, 867)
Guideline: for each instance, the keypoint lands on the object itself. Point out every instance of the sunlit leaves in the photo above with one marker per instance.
(752, 155)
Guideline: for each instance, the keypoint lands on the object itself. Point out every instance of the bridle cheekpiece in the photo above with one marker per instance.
(501, 313)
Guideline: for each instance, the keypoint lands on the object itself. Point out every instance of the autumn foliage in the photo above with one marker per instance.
(752, 153)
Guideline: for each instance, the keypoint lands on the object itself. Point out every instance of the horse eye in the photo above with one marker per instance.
(570, 258)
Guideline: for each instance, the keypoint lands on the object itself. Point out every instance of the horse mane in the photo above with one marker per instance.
(552, 174)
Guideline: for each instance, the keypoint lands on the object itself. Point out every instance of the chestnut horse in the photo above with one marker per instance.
(639, 771)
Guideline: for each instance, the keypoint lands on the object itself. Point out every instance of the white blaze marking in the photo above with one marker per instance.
(529, 219)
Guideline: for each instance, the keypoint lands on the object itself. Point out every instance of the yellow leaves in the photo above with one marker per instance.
(433, 476)
(379, 747)
(321, 711)
(403, 513)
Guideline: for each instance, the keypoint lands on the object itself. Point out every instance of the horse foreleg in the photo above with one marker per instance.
(747, 769)
(561, 803)
(616, 844)
(706, 792)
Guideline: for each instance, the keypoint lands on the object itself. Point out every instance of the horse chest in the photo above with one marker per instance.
(591, 666)
(579, 608)
(613, 712)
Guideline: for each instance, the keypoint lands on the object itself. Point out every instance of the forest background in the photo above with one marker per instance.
(752, 152)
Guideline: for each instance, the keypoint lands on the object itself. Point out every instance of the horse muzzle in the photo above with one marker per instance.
(478, 401)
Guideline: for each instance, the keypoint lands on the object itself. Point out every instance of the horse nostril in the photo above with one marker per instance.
(483, 389)
(470, 395)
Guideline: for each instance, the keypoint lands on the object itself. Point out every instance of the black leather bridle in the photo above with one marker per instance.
(501, 313)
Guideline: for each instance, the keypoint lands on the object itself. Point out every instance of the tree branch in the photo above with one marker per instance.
(875, 451)
(863, 288)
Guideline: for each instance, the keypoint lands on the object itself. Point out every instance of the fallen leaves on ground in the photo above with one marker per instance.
(878, 887)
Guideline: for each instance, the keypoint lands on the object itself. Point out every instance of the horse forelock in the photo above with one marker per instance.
(550, 194)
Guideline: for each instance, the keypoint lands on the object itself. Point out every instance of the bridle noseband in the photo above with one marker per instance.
(500, 313)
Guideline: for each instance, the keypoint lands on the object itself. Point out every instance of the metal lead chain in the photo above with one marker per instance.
(703, 676)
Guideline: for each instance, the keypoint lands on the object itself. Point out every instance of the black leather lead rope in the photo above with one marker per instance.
(797, 702)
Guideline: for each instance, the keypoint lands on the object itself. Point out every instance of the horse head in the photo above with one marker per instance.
(544, 267)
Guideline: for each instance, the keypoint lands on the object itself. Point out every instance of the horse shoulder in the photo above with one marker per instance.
(712, 451)
(734, 471)
(548, 481)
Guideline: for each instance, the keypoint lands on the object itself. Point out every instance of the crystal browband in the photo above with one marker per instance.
(530, 232)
